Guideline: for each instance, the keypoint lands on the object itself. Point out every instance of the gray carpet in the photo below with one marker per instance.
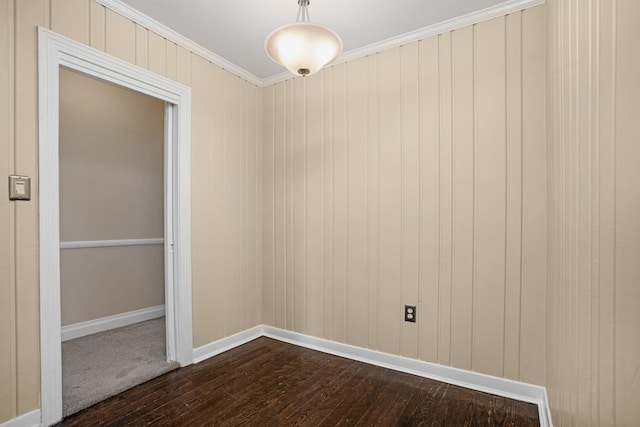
(101, 365)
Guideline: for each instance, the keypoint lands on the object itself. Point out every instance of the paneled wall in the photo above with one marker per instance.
(415, 176)
(225, 176)
(593, 340)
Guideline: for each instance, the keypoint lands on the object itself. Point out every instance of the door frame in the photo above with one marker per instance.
(54, 51)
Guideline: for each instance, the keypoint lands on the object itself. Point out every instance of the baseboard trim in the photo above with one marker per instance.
(89, 327)
(468, 379)
(30, 419)
(227, 343)
(472, 380)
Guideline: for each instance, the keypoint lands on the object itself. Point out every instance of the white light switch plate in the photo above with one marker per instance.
(19, 187)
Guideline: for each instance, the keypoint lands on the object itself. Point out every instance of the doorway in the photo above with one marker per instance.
(56, 51)
(112, 284)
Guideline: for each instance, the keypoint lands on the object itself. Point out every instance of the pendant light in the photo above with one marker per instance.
(303, 47)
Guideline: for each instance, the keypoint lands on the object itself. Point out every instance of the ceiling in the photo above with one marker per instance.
(235, 30)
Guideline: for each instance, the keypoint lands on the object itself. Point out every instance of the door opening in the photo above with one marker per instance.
(112, 263)
(56, 51)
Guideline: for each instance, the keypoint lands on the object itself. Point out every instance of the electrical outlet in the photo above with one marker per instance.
(410, 313)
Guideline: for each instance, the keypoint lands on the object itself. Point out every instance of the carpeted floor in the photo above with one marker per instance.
(97, 366)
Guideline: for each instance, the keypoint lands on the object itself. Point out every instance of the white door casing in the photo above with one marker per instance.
(54, 51)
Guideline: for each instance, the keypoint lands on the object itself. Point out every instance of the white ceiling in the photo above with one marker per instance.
(236, 29)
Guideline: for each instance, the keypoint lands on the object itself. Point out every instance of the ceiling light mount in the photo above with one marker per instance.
(303, 47)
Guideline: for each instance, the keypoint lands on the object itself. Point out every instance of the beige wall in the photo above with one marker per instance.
(100, 282)
(593, 355)
(415, 176)
(225, 173)
(111, 187)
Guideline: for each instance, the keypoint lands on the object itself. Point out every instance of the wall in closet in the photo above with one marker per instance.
(111, 188)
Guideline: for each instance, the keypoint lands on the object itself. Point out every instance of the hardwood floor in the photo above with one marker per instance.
(270, 383)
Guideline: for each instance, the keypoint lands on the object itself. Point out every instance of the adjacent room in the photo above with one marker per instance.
(427, 215)
(111, 145)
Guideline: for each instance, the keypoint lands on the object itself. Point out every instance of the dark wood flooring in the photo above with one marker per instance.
(270, 383)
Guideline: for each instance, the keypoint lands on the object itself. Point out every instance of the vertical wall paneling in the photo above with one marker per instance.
(429, 199)
(533, 263)
(227, 206)
(172, 63)
(327, 200)
(627, 315)
(581, 227)
(339, 193)
(260, 112)
(368, 192)
(183, 66)
(314, 225)
(27, 15)
(97, 23)
(513, 260)
(390, 304)
(462, 196)
(142, 46)
(279, 201)
(373, 211)
(120, 39)
(71, 19)
(604, 209)
(224, 171)
(403, 182)
(290, 285)
(203, 267)
(299, 201)
(218, 282)
(410, 193)
(157, 49)
(489, 285)
(594, 238)
(268, 206)
(8, 373)
(444, 199)
(357, 204)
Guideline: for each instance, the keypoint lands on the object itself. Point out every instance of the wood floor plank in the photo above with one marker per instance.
(270, 383)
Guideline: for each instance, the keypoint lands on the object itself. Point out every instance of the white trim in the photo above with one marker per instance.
(102, 324)
(166, 32)
(468, 379)
(500, 9)
(54, 51)
(30, 419)
(227, 343)
(110, 243)
(169, 209)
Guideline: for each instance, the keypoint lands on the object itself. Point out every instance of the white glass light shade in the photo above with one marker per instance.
(303, 47)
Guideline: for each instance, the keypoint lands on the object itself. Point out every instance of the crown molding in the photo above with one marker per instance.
(501, 9)
(177, 38)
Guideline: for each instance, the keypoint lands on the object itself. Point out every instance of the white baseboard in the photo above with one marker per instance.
(468, 379)
(30, 419)
(227, 343)
(472, 380)
(81, 329)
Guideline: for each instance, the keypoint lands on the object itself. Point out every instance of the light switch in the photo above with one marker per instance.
(19, 187)
(20, 190)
